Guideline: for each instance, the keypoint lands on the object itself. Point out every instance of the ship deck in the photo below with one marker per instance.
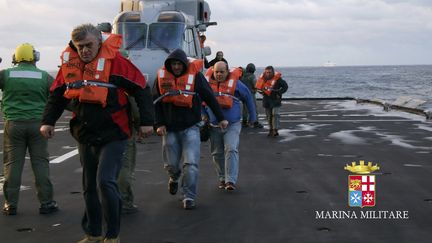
(288, 185)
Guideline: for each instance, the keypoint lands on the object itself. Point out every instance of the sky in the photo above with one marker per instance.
(265, 32)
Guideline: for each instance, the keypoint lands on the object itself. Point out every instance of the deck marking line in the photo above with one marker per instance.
(412, 165)
(64, 157)
(317, 120)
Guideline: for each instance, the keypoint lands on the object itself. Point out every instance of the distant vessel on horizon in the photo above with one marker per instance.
(329, 64)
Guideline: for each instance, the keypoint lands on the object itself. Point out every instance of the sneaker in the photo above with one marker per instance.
(113, 240)
(92, 239)
(230, 186)
(275, 133)
(245, 124)
(129, 209)
(257, 125)
(221, 185)
(188, 203)
(172, 186)
(48, 208)
(9, 210)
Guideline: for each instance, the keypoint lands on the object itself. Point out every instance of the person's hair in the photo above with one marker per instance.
(270, 68)
(221, 52)
(80, 32)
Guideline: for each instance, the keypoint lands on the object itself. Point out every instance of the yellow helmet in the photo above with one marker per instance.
(25, 52)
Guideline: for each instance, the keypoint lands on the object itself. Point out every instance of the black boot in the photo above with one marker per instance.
(257, 125)
(245, 123)
(270, 134)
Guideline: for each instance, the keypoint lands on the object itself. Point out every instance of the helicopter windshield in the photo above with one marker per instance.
(134, 35)
(166, 36)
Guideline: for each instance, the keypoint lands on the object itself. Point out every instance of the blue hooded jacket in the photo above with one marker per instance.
(234, 113)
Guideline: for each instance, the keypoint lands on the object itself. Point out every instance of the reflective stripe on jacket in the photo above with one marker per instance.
(74, 70)
(224, 91)
(167, 82)
(25, 92)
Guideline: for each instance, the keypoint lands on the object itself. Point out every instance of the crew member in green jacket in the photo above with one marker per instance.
(249, 79)
(25, 93)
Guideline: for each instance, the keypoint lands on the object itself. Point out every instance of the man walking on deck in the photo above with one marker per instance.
(271, 85)
(25, 94)
(248, 78)
(178, 92)
(94, 78)
(224, 144)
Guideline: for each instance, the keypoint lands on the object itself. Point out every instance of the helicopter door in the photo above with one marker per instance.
(189, 44)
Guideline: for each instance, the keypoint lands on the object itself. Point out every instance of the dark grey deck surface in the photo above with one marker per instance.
(283, 182)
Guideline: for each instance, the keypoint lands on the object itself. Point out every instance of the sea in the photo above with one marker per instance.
(386, 83)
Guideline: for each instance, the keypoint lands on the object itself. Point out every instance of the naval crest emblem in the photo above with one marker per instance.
(361, 187)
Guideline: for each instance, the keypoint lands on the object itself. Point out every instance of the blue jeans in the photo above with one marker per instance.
(184, 145)
(101, 166)
(224, 149)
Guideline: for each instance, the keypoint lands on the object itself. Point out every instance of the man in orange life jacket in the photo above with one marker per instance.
(230, 92)
(178, 93)
(100, 121)
(272, 86)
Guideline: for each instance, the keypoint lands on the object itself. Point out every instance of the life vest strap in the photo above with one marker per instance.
(261, 91)
(226, 94)
(83, 83)
(172, 93)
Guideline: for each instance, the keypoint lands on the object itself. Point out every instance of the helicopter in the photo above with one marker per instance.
(151, 29)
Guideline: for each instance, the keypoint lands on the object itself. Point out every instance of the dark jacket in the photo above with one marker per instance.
(214, 61)
(177, 118)
(97, 125)
(275, 98)
(249, 80)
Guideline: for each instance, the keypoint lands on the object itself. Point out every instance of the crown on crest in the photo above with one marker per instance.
(361, 168)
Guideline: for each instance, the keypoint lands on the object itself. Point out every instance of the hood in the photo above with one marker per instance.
(250, 68)
(179, 55)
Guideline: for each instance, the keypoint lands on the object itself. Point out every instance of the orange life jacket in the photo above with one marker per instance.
(167, 82)
(266, 86)
(224, 91)
(75, 70)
